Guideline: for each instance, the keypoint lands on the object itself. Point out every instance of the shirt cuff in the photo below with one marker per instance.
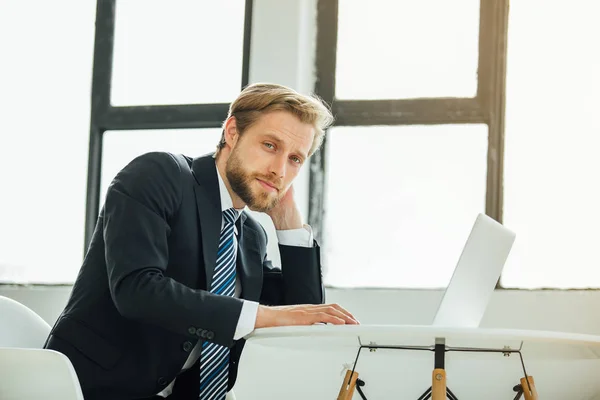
(247, 320)
(302, 237)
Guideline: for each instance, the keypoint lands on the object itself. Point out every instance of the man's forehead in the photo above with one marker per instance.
(286, 127)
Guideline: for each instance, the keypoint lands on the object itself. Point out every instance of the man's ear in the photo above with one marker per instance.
(231, 132)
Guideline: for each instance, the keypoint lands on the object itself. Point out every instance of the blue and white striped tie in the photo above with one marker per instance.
(214, 359)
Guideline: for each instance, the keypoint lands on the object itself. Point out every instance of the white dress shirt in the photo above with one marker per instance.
(302, 237)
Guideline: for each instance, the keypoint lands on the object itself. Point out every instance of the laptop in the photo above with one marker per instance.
(476, 274)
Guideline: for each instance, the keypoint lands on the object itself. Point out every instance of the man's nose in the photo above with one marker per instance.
(278, 166)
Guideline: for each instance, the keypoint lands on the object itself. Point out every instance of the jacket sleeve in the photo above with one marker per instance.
(139, 205)
(298, 281)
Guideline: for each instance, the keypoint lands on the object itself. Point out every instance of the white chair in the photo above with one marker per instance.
(20, 326)
(32, 374)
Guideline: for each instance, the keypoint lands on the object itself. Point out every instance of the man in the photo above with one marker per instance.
(177, 275)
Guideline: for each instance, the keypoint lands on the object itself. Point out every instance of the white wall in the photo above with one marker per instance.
(281, 54)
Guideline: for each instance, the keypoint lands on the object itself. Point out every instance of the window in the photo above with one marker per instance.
(45, 83)
(552, 142)
(415, 188)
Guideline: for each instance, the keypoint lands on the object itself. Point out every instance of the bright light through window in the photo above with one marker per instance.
(400, 203)
(45, 85)
(177, 51)
(407, 49)
(552, 141)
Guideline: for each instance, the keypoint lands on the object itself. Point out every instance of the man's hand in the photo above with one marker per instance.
(286, 214)
(305, 314)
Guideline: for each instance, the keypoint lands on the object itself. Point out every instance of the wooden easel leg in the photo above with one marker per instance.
(347, 389)
(438, 386)
(529, 390)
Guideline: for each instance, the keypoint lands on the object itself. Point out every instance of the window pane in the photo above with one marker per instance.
(177, 52)
(400, 202)
(120, 147)
(552, 141)
(47, 50)
(407, 49)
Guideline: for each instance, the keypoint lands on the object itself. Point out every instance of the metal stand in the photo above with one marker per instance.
(438, 389)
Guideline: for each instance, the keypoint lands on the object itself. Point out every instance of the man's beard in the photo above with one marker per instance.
(241, 183)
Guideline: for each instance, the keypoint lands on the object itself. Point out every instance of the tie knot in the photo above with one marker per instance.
(230, 215)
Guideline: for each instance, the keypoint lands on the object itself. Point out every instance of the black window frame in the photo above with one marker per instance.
(487, 107)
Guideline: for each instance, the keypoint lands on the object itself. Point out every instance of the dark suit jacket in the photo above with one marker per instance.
(139, 304)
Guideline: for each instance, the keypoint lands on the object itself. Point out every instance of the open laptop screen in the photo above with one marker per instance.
(476, 274)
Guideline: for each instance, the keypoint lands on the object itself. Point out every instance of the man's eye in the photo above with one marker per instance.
(296, 160)
(270, 145)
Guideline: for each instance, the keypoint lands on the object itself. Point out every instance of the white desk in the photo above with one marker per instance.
(564, 365)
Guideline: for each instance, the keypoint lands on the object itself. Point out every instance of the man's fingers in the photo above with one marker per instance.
(332, 311)
(345, 312)
(305, 314)
(332, 319)
(327, 318)
(340, 314)
(338, 311)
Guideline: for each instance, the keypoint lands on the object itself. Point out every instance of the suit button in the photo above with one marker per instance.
(187, 346)
(201, 333)
(192, 330)
(210, 335)
(162, 381)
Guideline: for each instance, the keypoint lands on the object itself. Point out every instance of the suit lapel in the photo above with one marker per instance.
(208, 203)
(249, 263)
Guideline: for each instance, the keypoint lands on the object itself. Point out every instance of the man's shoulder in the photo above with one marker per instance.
(252, 223)
(162, 160)
(164, 157)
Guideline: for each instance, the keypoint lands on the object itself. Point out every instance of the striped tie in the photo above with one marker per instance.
(214, 360)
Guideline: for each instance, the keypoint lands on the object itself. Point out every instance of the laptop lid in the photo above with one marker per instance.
(476, 274)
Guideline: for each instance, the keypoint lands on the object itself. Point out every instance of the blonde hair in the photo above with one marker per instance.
(260, 98)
